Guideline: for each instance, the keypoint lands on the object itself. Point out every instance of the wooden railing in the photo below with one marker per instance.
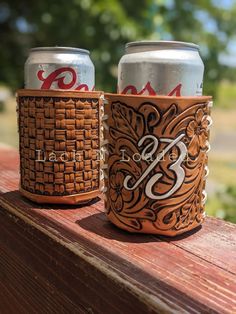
(57, 259)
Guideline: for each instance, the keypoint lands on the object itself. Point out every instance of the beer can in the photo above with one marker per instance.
(59, 68)
(161, 68)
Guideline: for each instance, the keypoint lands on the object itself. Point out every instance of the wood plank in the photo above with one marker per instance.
(29, 290)
(9, 169)
(216, 244)
(81, 276)
(194, 274)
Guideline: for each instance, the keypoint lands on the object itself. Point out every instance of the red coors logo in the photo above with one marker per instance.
(56, 76)
(131, 89)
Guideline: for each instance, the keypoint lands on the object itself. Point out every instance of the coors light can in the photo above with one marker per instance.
(59, 68)
(161, 68)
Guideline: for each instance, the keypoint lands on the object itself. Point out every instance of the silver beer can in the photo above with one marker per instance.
(161, 68)
(59, 68)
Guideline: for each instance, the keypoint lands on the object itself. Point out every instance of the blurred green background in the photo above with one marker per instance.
(103, 27)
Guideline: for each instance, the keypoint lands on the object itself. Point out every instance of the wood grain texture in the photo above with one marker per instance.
(58, 259)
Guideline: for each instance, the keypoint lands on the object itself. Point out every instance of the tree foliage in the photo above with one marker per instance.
(104, 26)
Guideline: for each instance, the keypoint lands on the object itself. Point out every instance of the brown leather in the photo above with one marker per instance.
(59, 134)
(156, 162)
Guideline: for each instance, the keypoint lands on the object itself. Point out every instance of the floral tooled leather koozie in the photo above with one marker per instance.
(156, 162)
(60, 134)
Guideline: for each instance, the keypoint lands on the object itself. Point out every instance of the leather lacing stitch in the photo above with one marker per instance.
(103, 146)
(210, 122)
(17, 112)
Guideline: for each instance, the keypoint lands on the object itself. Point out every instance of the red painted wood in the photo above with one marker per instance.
(90, 265)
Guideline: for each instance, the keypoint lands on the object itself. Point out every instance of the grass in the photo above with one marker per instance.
(222, 201)
(222, 169)
(8, 124)
(226, 96)
(223, 204)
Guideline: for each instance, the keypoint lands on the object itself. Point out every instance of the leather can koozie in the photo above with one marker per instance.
(156, 162)
(59, 135)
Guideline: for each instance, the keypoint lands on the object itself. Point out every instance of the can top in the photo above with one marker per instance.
(160, 44)
(60, 49)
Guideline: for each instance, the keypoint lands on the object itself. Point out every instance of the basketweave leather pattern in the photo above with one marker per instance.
(59, 142)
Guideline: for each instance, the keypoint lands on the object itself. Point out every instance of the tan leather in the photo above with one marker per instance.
(64, 199)
(156, 162)
(59, 134)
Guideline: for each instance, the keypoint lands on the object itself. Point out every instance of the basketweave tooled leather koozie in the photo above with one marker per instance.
(59, 140)
(156, 162)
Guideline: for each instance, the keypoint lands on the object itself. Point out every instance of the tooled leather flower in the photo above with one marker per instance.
(192, 210)
(118, 193)
(197, 132)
